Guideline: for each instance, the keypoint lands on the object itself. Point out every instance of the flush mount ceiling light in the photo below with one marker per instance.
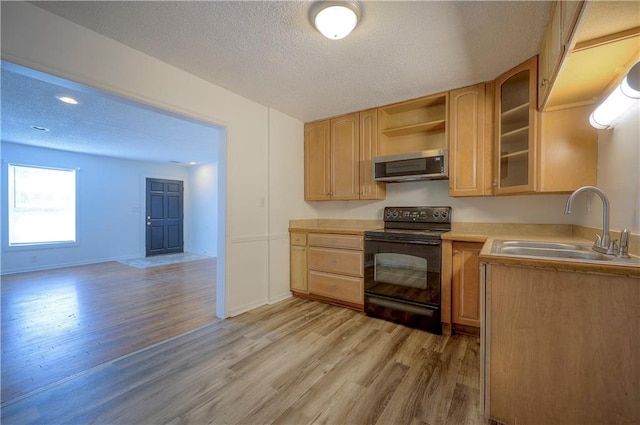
(68, 99)
(335, 19)
(620, 99)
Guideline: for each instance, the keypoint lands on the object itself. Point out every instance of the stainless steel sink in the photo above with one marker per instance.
(545, 245)
(556, 251)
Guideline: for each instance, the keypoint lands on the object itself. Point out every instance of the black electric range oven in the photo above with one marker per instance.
(402, 266)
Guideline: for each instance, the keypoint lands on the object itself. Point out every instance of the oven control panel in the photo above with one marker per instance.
(418, 214)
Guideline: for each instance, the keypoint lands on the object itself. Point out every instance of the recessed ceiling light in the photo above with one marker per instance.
(192, 163)
(68, 99)
(39, 128)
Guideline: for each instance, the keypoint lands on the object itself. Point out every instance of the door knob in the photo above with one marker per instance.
(148, 223)
(148, 217)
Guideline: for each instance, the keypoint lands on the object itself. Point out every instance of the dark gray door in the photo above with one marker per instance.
(164, 216)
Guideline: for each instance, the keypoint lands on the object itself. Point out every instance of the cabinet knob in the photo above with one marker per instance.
(544, 82)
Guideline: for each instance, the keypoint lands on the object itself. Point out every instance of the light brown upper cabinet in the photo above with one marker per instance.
(334, 153)
(539, 152)
(414, 125)
(556, 45)
(369, 189)
(516, 120)
(317, 161)
(470, 126)
(550, 54)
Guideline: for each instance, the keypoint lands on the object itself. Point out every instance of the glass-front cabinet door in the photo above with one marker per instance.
(516, 129)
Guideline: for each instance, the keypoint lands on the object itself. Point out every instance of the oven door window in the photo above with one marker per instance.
(401, 269)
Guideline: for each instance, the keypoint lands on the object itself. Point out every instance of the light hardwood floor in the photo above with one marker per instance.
(57, 323)
(294, 362)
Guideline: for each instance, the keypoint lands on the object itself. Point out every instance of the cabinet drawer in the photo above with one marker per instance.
(336, 241)
(343, 288)
(336, 261)
(298, 239)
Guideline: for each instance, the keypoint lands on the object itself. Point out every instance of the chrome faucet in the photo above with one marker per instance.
(603, 243)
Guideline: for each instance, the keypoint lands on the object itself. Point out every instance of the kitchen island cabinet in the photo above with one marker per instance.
(560, 346)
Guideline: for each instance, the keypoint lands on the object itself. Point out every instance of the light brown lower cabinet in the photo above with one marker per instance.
(332, 268)
(560, 347)
(465, 284)
(298, 262)
(460, 289)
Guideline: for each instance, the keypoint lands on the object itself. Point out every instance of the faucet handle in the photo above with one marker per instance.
(598, 240)
(624, 243)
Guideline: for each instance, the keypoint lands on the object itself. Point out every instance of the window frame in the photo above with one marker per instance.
(6, 246)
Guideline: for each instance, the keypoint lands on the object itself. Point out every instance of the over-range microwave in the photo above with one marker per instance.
(423, 165)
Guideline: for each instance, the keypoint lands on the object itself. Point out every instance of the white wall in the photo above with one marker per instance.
(493, 209)
(286, 196)
(40, 40)
(110, 210)
(203, 214)
(618, 176)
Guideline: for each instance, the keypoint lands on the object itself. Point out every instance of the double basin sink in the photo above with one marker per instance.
(556, 251)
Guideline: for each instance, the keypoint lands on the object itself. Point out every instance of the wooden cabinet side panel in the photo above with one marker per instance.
(345, 157)
(369, 189)
(317, 161)
(466, 141)
(446, 277)
(572, 338)
(568, 150)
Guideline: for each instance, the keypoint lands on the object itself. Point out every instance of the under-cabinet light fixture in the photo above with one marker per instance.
(335, 19)
(621, 98)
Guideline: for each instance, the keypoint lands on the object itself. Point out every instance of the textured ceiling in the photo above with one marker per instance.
(267, 51)
(101, 124)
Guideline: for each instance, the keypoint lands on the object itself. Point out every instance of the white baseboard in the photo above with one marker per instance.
(278, 298)
(37, 267)
(243, 309)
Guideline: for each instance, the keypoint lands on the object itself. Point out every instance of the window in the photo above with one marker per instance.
(42, 205)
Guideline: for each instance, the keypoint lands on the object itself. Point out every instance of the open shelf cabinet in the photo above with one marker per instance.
(414, 125)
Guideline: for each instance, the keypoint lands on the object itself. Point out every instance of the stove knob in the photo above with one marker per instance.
(394, 214)
(436, 214)
(387, 214)
(445, 214)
